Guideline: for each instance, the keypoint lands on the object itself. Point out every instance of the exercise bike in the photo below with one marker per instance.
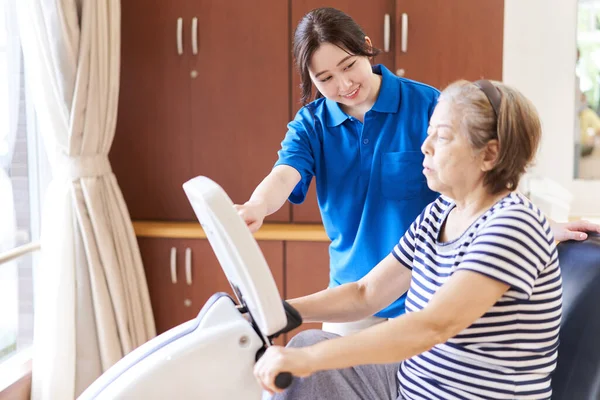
(213, 355)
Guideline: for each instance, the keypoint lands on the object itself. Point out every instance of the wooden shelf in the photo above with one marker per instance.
(269, 231)
(193, 230)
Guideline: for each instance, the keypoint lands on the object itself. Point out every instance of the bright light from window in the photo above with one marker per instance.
(19, 190)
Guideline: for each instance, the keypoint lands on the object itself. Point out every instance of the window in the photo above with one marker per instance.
(20, 152)
(587, 94)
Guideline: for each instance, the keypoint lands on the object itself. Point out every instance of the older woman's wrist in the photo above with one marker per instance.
(315, 358)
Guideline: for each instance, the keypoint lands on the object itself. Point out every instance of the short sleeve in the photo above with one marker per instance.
(513, 247)
(297, 152)
(404, 251)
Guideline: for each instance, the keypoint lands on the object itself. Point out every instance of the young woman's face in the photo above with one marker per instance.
(451, 165)
(341, 76)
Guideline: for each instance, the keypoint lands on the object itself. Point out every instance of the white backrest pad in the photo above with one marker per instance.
(238, 253)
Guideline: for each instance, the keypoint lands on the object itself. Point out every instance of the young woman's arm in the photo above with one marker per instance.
(269, 196)
(296, 162)
(574, 230)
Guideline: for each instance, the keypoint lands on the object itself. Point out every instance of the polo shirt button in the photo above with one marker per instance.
(366, 141)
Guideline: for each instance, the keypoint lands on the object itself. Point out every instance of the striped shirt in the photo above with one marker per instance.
(510, 352)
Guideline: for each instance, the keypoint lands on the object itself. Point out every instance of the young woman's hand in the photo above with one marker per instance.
(253, 214)
(276, 359)
(575, 230)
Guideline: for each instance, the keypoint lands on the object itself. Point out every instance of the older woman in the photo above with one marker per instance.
(480, 267)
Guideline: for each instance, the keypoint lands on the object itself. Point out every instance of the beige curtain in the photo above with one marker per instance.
(92, 305)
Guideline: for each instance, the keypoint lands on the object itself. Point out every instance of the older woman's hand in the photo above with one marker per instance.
(575, 230)
(282, 359)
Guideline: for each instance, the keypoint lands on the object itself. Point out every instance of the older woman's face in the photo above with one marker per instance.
(451, 165)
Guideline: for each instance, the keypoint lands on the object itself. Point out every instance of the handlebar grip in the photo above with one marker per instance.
(283, 380)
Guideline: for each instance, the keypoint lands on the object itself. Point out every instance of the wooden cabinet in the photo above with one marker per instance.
(240, 98)
(450, 40)
(306, 272)
(299, 268)
(445, 41)
(219, 105)
(151, 155)
(177, 301)
(217, 108)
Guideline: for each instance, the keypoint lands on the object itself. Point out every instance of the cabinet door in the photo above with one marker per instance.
(306, 272)
(240, 97)
(151, 155)
(308, 211)
(447, 40)
(175, 303)
(370, 16)
(166, 296)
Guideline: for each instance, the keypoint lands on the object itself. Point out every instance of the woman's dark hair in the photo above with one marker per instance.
(326, 25)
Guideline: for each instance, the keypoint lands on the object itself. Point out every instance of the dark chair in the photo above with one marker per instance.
(577, 376)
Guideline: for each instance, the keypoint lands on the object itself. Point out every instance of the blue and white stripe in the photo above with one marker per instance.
(510, 351)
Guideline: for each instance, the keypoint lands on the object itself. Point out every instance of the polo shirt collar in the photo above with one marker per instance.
(388, 100)
(336, 115)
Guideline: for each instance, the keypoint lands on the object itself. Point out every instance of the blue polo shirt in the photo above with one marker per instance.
(370, 185)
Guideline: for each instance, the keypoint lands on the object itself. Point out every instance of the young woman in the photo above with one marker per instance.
(361, 140)
(480, 268)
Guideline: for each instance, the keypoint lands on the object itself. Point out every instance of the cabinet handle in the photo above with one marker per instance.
(404, 32)
(386, 33)
(180, 36)
(173, 265)
(188, 266)
(195, 35)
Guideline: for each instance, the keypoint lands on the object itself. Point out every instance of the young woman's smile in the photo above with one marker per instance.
(344, 77)
(353, 94)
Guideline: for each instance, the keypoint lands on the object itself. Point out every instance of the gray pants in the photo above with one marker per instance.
(365, 382)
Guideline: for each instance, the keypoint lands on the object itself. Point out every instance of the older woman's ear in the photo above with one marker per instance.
(490, 155)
